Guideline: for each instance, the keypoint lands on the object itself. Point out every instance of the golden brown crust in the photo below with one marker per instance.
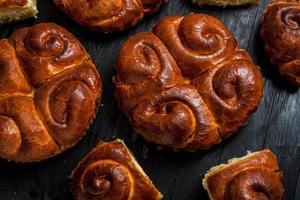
(47, 82)
(109, 172)
(47, 50)
(11, 83)
(197, 41)
(280, 32)
(225, 3)
(255, 176)
(108, 16)
(186, 85)
(21, 126)
(12, 3)
(231, 90)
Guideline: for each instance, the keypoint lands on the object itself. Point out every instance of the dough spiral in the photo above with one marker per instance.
(186, 85)
(107, 16)
(109, 172)
(47, 82)
(280, 32)
(255, 176)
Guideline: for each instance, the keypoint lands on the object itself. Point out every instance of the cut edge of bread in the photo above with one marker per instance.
(220, 167)
(139, 168)
(16, 13)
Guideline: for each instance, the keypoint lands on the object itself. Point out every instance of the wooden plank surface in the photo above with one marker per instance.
(276, 124)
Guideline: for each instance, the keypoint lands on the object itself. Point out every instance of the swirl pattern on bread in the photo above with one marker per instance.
(110, 172)
(186, 85)
(107, 16)
(280, 32)
(47, 81)
(255, 176)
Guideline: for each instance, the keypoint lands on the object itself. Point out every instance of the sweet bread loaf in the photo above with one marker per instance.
(47, 81)
(225, 3)
(107, 16)
(187, 85)
(110, 172)
(280, 32)
(14, 10)
(255, 176)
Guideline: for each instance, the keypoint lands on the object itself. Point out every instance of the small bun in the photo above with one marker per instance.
(46, 50)
(186, 85)
(47, 80)
(280, 32)
(109, 172)
(255, 176)
(107, 16)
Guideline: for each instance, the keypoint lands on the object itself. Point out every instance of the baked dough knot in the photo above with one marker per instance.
(108, 16)
(255, 183)
(49, 90)
(280, 32)
(186, 85)
(109, 172)
(255, 176)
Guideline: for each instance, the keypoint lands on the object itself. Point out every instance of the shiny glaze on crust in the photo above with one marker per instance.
(109, 172)
(256, 177)
(12, 3)
(47, 81)
(280, 32)
(107, 16)
(186, 85)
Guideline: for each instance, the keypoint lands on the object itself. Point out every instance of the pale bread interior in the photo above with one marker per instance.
(16, 13)
(220, 167)
(140, 169)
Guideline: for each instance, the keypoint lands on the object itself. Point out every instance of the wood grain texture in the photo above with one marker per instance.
(276, 124)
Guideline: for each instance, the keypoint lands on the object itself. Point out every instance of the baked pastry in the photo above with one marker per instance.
(225, 3)
(107, 16)
(253, 177)
(280, 32)
(186, 85)
(14, 10)
(110, 172)
(47, 80)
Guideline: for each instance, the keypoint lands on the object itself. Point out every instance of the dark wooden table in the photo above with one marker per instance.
(276, 124)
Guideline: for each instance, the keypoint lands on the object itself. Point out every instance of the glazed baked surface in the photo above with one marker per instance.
(255, 176)
(108, 16)
(47, 80)
(187, 85)
(109, 172)
(12, 3)
(225, 3)
(280, 32)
